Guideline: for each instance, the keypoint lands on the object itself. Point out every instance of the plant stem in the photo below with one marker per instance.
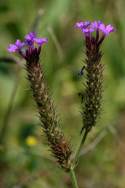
(73, 178)
(80, 146)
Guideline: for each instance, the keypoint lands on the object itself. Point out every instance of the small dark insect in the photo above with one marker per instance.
(81, 72)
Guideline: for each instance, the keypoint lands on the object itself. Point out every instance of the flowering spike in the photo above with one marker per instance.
(91, 103)
(30, 50)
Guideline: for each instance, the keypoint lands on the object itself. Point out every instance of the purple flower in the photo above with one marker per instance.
(81, 25)
(30, 36)
(31, 40)
(88, 30)
(85, 27)
(29, 49)
(40, 41)
(17, 46)
(106, 29)
(96, 24)
(88, 27)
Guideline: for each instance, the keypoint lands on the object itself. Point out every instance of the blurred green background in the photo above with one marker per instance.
(25, 161)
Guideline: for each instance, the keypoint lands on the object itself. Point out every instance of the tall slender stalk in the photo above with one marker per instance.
(73, 178)
(78, 150)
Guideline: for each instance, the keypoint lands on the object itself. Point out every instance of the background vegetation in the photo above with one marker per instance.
(25, 161)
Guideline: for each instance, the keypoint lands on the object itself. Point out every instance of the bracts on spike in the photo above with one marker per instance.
(94, 33)
(93, 92)
(59, 146)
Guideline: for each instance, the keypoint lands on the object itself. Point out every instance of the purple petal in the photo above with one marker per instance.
(102, 28)
(96, 24)
(19, 44)
(106, 29)
(109, 29)
(86, 27)
(81, 25)
(40, 41)
(30, 36)
(12, 48)
(16, 46)
(88, 30)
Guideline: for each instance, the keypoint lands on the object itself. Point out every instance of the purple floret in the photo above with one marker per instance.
(81, 25)
(106, 29)
(96, 24)
(40, 41)
(17, 46)
(30, 36)
(85, 27)
(31, 40)
(88, 30)
(12, 48)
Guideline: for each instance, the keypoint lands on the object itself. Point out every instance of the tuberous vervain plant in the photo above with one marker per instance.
(94, 34)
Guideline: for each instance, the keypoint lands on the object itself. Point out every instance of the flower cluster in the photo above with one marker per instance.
(31, 46)
(88, 27)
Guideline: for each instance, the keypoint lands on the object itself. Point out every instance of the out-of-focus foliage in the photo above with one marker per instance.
(28, 162)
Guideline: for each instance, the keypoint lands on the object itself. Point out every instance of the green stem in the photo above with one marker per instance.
(73, 178)
(80, 146)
